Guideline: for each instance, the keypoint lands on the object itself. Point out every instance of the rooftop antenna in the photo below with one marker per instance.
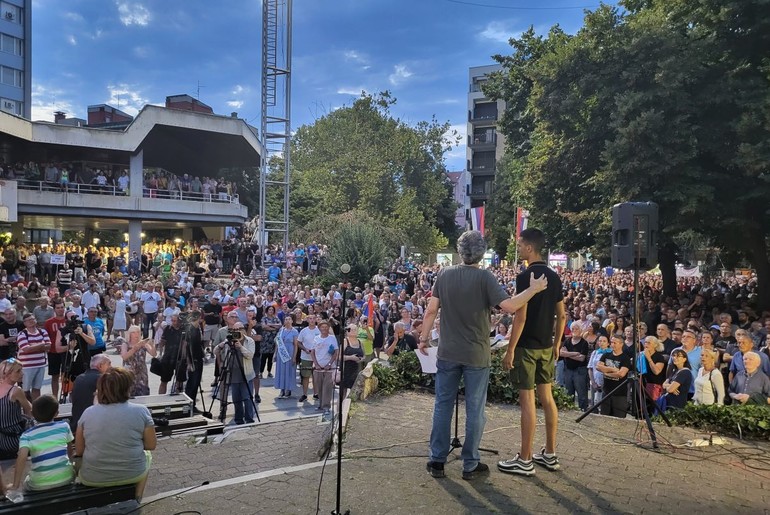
(199, 89)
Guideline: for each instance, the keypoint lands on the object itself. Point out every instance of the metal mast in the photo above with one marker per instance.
(276, 114)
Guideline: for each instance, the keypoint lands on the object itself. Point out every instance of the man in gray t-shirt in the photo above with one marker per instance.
(466, 295)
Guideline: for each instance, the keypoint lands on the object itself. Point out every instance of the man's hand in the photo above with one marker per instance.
(539, 284)
(741, 397)
(508, 359)
(423, 347)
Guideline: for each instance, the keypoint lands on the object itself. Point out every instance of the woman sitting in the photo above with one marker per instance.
(115, 436)
(677, 386)
(15, 409)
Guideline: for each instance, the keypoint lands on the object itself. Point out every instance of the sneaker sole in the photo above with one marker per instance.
(548, 466)
(518, 472)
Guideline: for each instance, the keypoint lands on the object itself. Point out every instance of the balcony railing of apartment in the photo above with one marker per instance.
(479, 115)
(482, 139)
(482, 164)
(95, 189)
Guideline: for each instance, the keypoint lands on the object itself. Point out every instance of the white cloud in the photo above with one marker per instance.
(46, 101)
(239, 90)
(237, 104)
(345, 90)
(133, 14)
(73, 17)
(400, 74)
(125, 98)
(500, 31)
(356, 57)
(141, 51)
(71, 40)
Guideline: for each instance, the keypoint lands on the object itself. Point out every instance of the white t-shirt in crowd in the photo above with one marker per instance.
(322, 346)
(306, 338)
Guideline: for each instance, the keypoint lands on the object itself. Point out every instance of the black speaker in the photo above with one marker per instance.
(635, 235)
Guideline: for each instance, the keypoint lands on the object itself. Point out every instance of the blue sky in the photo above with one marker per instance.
(128, 53)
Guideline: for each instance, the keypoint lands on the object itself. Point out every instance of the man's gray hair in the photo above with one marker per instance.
(98, 360)
(471, 247)
(399, 325)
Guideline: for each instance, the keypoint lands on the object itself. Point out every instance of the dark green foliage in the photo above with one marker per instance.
(668, 101)
(404, 373)
(743, 421)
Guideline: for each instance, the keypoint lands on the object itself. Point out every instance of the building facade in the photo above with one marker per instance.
(16, 57)
(485, 145)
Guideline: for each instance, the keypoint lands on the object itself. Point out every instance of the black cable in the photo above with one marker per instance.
(321, 480)
(169, 495)
(523, 8)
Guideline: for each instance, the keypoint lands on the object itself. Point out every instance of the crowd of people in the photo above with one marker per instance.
(114, 180)
(262, 313)
(692, 346)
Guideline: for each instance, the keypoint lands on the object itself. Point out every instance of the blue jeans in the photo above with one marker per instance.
(447, 384)
(241, 401)
(560, 372)
(577, 381)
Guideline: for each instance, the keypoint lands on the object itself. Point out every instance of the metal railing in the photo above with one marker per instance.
(114, 191)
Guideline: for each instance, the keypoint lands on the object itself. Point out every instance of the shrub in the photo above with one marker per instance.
(404, 372)
(741, 420)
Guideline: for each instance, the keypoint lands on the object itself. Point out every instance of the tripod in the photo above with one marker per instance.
(225, 381)
(456, 443)
(638, 391)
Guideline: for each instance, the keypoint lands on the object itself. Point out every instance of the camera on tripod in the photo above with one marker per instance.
(71, 325)
(233, 336)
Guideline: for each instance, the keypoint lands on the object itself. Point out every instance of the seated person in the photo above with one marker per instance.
(48, 444)
(751, 385)
(114, 437)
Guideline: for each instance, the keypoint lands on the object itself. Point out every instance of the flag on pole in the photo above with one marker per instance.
(477, 219)
(522, 217)
(370, 309)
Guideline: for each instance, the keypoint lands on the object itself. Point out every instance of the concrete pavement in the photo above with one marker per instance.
(270, 468)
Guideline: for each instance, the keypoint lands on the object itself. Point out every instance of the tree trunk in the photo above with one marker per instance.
(667, 261)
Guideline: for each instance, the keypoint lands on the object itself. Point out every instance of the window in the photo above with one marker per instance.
(11, 13)
(12, 45)
(12, 76)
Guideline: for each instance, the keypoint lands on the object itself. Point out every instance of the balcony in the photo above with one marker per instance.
(483, 141)
(482, 166)
(480, 116)
(43, 198)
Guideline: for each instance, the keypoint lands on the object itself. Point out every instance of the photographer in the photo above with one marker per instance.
(238, 346)
(195, 351)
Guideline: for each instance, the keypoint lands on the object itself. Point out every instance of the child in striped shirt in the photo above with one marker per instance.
(49, 446)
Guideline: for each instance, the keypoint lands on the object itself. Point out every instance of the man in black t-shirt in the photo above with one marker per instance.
(615, 366)
(212, 317)
(575, 354)
(534, 343)
(9, 329)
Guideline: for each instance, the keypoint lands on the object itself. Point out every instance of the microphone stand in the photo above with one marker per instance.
(345, 268)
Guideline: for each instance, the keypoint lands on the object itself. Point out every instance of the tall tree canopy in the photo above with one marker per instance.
(359, 157)
(667, 101)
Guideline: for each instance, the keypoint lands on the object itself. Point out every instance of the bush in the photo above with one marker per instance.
(741, 420)
(404, 373)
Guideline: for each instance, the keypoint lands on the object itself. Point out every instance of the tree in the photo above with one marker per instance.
(668, 102)
(361, 158)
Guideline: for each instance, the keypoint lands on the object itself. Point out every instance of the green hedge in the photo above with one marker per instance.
(742, 420)
(404, 373)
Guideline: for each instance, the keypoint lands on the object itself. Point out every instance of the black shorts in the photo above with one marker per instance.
(55, 362)
(167, 371)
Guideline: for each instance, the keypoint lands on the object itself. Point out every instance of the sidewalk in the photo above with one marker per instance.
(603, 471)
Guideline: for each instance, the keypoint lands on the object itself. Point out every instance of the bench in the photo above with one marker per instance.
(67, 499)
